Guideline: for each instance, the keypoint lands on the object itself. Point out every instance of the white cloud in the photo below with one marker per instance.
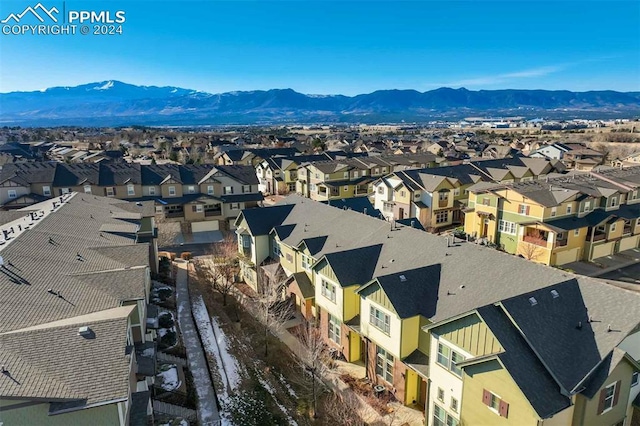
(503, 78)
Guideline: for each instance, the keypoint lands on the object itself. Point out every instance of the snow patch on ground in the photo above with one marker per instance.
(287, 386)
(282, 408)
(148, 352)
(169, 378)
(163, 331)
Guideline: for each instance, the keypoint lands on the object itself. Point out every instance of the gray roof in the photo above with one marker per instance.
(524, 367)
(53, 362)
(64, 251)
(568, 351)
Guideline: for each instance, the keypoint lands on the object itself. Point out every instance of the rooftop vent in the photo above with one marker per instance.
(84, 331)
(533, 301)
(403, 278)
(555, 294)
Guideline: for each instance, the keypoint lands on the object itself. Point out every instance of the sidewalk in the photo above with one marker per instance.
(207, 403)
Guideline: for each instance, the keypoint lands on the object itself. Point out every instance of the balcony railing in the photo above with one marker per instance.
(443, 203)
(174, 214)
(539, 241)
(560, 243)
(598, 237)
(209, 213)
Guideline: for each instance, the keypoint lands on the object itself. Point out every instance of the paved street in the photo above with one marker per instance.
(629, 274)
(207, 403)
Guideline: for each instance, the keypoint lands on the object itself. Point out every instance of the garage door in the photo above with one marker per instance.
(602, 250)
(567, 256)
(629, 243)
(207, 225)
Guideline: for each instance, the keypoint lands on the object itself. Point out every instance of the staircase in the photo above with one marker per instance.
(174, 410)
(168, 358)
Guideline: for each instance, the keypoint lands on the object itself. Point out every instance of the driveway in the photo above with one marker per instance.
(628, 274)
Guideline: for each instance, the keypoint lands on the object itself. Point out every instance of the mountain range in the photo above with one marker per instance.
(114, 103)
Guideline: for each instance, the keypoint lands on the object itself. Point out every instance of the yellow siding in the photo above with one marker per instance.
(586, 411)
(491, 376)
(424, 338)
(412, 387)
(407, 198)
(351, 303)
(410, 333)
(471, 334)
(288, 253)
(514, 200)
(617, 232)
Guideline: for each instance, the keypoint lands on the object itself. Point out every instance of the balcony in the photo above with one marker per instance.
(442, 203)
(210, 213)
(174, 213)
(560, 243)
(535, 239)
(598, 236)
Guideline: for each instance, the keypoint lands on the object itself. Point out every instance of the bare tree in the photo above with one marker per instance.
(341, 409)
(269, 303)
(220, 268)
(314, 357)
(533, 247)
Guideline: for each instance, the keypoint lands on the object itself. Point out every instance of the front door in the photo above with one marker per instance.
(400, 213)
(485, 228)
(423, 393)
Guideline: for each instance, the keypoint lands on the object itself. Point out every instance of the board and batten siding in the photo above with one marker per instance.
(38, 414)
(471, 334)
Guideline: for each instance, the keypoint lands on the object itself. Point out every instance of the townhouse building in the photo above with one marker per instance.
(559, 220)
(352, 177)
(73, 325)
(278, 175)
(438, 326)
(251, 156)
(202, 196)
(438, 197)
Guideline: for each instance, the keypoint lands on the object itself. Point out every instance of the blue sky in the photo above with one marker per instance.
(329, 47)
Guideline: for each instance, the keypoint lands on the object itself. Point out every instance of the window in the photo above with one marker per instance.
(587, 206)
(64, 191)
(328, 290)
(443, 195)
(486, 201)
(380, 189)
(387, 207)
(613, 202)
(440, 394)
(228, 190)
(210, 189)
(346, 187)
(569, 209)
(289, 257)
(634, 379)
(306, 262)
(87, 189)
(380, 320)
(442, 418)
(554, 211)
(376, 170)
(276, 249)
(111, 191)
(199, 208)
(613, 228)
(523, 209)
(456, 192)
(449, 358)
(356, 174)
(246, 189)
(46, 190)
(638, 221)
(364, 173)
(346, 175)
(191, 189)
(403, 193)
(384, 364)
(576, 232)
(334, 329)
(454, 405)
(507, 227)
(131, 190)
(235, 206)
(609, 397)
(12, 193)
(172, 191)
(495, 403)
(442, 217)
(152, 190)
